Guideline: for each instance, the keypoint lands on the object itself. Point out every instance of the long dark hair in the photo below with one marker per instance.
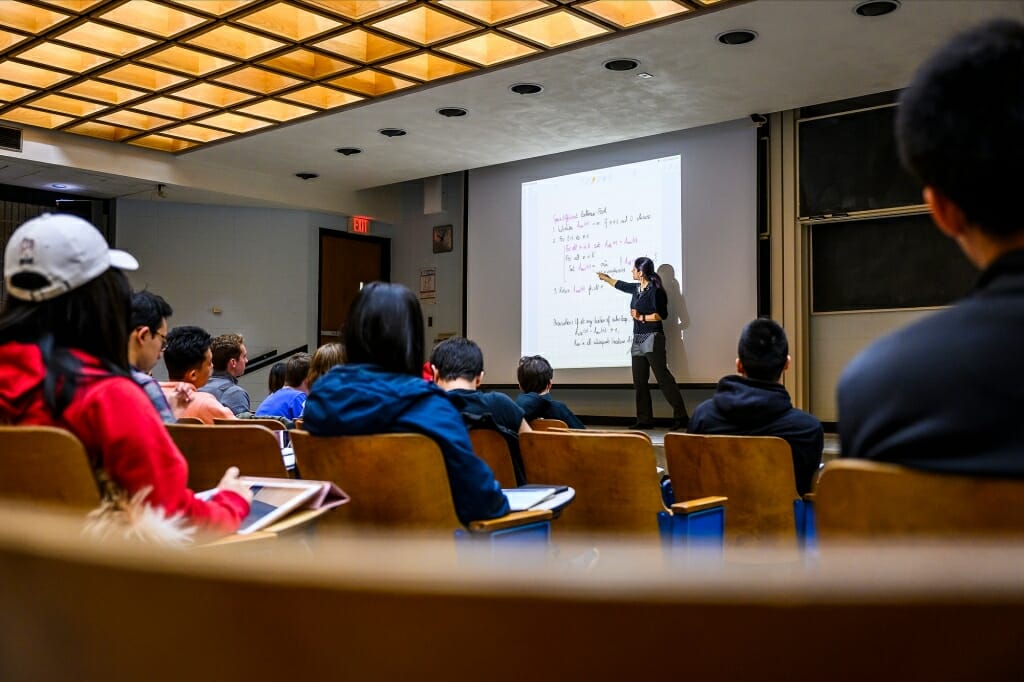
(94, 318)
(385, 328)
(646, 267)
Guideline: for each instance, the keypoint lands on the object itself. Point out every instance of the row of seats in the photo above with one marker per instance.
(399, 481)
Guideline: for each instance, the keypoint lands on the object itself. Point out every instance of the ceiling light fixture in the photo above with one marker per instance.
(645, 75)
(622, 64)
(526, 88)
(306, 176)
(452, 112)
(876, 8)
(349, 151)
(739, 36)
(391, 132)
(57, 185)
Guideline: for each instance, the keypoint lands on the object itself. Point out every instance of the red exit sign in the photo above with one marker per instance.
(359, 223)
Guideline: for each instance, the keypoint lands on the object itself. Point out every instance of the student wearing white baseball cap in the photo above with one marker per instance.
(64, 362)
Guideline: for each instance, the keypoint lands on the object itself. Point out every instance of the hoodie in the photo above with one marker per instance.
(120, 430)
(542, 406)
(354, 400)
(748, 407)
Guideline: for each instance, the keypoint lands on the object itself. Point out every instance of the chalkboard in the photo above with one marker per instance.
(850, 163)
(901, 262)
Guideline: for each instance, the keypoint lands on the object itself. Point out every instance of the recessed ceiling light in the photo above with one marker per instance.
(876, 8)
(736, 37)
(452, 112)
(391, 132)
(645, 75)
(307, 176)
(58, 186)
(622, 64)
(349, 151)
(526, 88)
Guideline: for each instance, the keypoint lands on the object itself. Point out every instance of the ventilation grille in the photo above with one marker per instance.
(10, 138)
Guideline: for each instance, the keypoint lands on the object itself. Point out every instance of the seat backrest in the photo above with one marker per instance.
(857, 499)
(271, 424)
(210, 450)
(613, 474)
(395, 480)
(189, 420)
(544, 424)
(46, 464)
(754, 472)
(490, 446)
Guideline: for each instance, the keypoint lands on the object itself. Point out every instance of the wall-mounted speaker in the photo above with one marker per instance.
(10, 138)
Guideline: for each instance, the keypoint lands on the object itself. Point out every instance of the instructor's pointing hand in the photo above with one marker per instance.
(604, 278)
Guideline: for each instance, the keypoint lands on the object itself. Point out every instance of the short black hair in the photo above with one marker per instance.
(186, 349)
(763, 349)
(149, 310)
(534, 373)
(296, 369)
(960, 124)
(275, 380)
(457, 358)
(384, 327)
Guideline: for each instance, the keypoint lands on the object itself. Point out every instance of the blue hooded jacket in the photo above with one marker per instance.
(355, 400)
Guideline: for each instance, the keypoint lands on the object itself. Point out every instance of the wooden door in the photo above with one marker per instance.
(347, 262)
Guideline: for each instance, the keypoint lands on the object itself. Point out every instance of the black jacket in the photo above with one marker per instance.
(749, 407)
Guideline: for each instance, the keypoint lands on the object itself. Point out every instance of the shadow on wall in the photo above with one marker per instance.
(678, 321)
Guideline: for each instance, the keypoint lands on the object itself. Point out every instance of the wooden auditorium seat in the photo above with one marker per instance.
(544, 424)
(210, 450)
(616, 483)
(391, 609)
(397, 481)
(46, 464)
(754, 472)
(857, 500)
(490, 446)
(271, 424)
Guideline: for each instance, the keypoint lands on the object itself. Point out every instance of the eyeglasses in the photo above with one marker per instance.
(163, 340)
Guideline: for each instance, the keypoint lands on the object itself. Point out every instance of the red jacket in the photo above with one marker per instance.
(115, 421)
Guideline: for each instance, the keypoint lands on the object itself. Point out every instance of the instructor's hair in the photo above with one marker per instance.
(960, 124)
(385, 328)
(534, 373)
(763, 349)
(457, 358)
(646, 267)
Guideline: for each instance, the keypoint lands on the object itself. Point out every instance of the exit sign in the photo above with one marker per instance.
(359, 223)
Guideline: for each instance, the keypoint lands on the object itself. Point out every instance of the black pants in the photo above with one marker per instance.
(642, 366)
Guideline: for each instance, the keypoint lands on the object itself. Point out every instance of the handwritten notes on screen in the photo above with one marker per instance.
(577, 225)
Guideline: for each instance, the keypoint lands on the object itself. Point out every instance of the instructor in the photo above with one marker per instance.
(648, 308)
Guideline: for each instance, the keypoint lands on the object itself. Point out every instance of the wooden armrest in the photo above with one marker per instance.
(296, 520)
(808, 497)
(699, 504)
(512, 520)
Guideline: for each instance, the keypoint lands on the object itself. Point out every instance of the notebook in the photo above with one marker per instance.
(521, 499)
(275, 498)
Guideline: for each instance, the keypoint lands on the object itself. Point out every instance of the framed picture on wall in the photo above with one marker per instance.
(442, 239)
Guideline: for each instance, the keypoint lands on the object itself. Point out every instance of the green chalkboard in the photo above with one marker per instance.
(900, 262)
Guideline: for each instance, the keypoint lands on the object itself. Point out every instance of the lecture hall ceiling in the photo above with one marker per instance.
(176, 75)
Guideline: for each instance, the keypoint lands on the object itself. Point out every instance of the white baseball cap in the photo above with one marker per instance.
(65, 250)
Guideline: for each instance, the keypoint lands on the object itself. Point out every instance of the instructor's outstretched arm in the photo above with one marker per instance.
(606, 279)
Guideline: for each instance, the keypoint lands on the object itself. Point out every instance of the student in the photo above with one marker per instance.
(275, 379)
(146, 340)
(190, 361)
(755, 403)
(380, 391)
(229, 360)
(535, 375)
(64, 362)
(289, 400)
(945, 393)
(325, 357)
(458, 367)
